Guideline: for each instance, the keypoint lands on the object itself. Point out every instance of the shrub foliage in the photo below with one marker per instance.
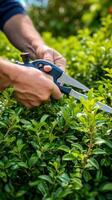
(61, 150)
(66, 17)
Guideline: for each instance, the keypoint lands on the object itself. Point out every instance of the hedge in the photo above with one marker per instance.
(61, 150)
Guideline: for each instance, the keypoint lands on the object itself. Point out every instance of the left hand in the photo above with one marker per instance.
(42, 51)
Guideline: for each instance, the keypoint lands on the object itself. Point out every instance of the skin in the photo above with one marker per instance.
(32, 87)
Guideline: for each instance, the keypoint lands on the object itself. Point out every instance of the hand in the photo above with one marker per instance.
(44, 52)
(33, 88)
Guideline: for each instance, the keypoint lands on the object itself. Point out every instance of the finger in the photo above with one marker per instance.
(31, 51)
(48, 55)
(56, 93)
(29, 104)
(46, 101)
(26, 104)
(47, 68)
(48, 76)
(60, 62)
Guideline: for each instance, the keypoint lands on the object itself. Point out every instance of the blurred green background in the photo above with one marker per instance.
(63, 18)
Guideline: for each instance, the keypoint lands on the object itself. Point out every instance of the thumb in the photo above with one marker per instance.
(47, 68)
(48, 55)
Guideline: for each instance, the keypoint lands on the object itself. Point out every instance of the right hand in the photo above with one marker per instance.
(33, 87)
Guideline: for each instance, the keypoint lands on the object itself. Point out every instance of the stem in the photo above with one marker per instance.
(90, 145)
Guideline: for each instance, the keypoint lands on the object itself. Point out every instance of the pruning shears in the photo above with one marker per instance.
(61, 78)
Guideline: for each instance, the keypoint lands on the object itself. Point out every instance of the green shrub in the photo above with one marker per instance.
(61, 150)
(89, 56)
(66, 17)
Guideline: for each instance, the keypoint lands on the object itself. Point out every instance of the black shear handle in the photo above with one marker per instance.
(55, 72)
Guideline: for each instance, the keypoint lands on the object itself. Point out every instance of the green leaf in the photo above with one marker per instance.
(33, 160)
(46, 178)
(43, 188)
(60, 193)
(34, 183)
(77, 184)
(20, 144)
(2, 124)
(106, 187)
(64, 148)
(92, 163)
(3, 176)
(20, 193)
(109, 144)
(22, 164)
(101, 141)
(64, 178)
(44, 117)
(99, 151)
(87, 176)
(68, 157)
(77, 146)
(1, 164)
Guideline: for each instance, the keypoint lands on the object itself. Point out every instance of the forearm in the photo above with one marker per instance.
(21, 32)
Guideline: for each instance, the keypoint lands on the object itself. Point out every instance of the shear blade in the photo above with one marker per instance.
(70, 81)
(102, 106)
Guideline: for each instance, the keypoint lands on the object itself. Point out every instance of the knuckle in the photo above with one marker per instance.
(48, 50)
(50, 87)
(36, 72)
(63, 60)
(45, 97)
(48, 84)
(35, 104)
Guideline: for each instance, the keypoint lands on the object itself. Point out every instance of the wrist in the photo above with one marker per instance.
(33, 47)
(8, 73)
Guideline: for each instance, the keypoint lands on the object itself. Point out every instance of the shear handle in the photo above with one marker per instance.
(55, 72)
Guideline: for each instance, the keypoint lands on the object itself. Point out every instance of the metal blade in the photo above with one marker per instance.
(71, 81)
(77, 95)
(102, 106)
